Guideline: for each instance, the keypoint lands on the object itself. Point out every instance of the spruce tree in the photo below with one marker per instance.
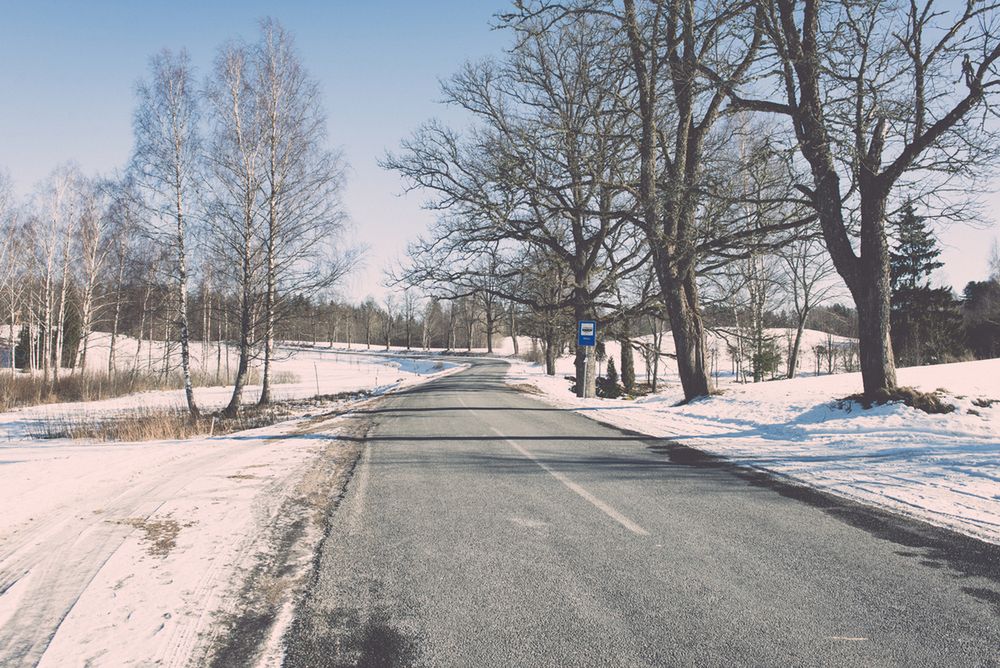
(914, 257)
(926, 324)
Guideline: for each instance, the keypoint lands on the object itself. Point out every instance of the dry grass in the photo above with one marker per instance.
(19, 389)
(156, 424)
(169, 423)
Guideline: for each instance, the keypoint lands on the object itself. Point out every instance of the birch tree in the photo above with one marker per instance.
(13, 275)
(50, 228)
(167, 155)
(301, 185)
(236, 163)
(94, 247)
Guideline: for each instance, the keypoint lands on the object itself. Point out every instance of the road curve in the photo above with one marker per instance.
(482, 527)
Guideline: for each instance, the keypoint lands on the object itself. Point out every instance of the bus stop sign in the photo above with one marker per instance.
(586, 333)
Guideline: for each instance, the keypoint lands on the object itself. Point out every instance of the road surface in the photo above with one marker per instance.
(482, 527)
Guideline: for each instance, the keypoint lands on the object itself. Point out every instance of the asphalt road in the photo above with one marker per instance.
(482, 527)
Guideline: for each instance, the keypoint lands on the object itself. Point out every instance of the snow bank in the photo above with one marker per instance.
(944, 469)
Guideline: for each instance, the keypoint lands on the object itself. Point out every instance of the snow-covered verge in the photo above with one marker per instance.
(135, 554)
(943, 469)
(318, 371)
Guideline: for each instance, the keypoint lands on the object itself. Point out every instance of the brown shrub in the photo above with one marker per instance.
(20, 389)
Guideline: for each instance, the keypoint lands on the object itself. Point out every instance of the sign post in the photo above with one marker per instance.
(586, 337)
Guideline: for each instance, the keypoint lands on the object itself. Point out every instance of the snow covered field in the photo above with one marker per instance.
(132, 554)
(943, 469)
(318, 371)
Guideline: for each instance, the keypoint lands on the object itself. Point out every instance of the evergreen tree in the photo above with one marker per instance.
(981, 308)
(608, 386)
(22, 358)
(915, 254)
(926, 323)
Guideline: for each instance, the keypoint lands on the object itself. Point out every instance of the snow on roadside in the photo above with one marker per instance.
(126, 553)
(316, 370)
(943, 469)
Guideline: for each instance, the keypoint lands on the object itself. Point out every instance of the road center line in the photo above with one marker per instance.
(572, 486)
(593, 500)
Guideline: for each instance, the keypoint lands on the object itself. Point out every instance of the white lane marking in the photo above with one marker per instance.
(593, 500)
(846, 638)
(587, 496)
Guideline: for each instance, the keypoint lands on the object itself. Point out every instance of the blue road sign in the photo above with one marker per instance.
(586, 333)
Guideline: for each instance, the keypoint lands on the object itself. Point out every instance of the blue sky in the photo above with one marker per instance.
(68, 71)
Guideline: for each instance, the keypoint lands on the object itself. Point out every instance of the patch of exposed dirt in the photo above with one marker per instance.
(160, 534)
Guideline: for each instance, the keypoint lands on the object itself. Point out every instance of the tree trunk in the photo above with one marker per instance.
(265, 390)
(218, 347)
(246, 325)
(61, 321)
(490, 316)
(87, 318)
(116, 316)
(182, 305)
(628, 365)
(550, 351)
(45, 347)
(513, 328)
(688, 331)
(793, 355)
(878, 368)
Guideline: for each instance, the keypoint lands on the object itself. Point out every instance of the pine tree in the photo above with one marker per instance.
(914, 256)
(926, 323)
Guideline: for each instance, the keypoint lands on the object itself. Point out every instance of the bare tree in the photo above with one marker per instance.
(546, 167)
(808, 272)
(13, 267)
(125, 221)
(388, 318)
(369, 312)
(301, 184)
(870, 90)
(235, 158)
(94, 247)
(54, 215)
(409, 310)
(167, 153)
